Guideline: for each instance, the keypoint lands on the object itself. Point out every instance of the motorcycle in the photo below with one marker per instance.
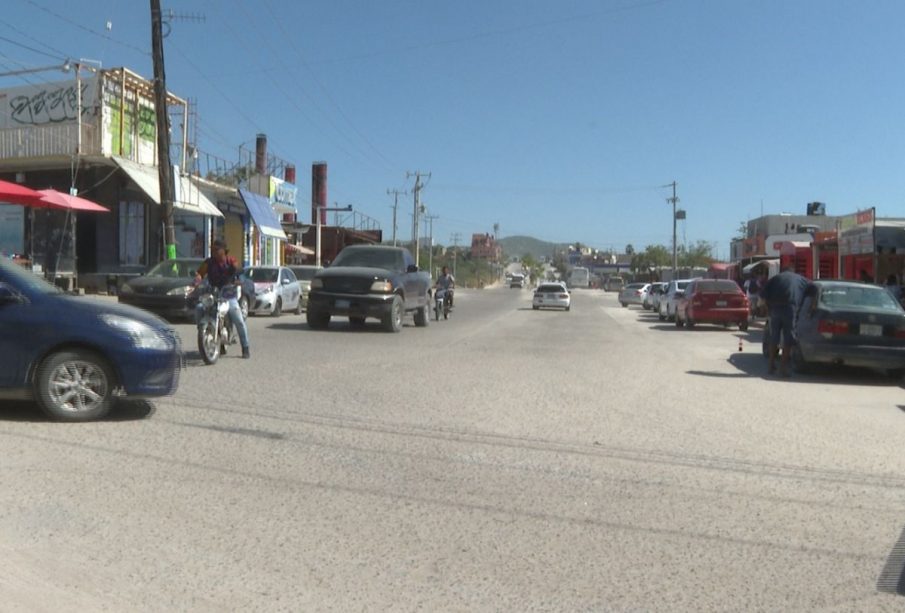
(215, 331)
(442, 299)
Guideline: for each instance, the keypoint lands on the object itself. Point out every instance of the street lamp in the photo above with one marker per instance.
(317, 250)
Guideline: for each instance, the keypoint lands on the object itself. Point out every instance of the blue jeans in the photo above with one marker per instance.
(782, 320)
(235, 317)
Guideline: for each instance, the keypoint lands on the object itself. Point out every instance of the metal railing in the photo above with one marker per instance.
(48, 140)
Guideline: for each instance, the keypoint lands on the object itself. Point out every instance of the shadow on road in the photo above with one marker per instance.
(124, 409)
(892, 577)
(341, 325)
(754, 364)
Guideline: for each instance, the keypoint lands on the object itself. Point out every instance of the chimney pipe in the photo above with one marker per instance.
(261, 154)
(318, 191)
(289, 174)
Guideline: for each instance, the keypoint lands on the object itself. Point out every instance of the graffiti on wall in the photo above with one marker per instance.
(52, 103)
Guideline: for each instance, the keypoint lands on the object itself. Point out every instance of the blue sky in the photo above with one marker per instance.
(556, 120)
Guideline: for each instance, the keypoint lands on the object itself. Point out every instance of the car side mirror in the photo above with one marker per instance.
(412, 268)
(286, 281)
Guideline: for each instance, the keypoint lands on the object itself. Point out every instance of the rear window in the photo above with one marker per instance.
(860, 297)
(716, 285)
(551, 289)
(681, 285)
(635, 285)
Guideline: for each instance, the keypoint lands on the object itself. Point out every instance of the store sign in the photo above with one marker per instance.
(282, 193)
(856, 232)
(773, 244)
(12, 229)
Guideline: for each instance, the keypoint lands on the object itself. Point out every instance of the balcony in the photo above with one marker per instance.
(47, 141)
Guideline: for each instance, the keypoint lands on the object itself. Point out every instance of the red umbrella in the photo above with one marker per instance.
(19, 194)
(54, 199)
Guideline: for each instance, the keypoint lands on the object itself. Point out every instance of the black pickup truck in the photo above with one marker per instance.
(370, 281)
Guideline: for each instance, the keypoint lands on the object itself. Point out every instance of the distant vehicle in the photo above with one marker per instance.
(633, 293)
(276, 289)
(713, 301)
(579, 278)
(851, 324)
(552, 295)
(164, 289)
(370, 281)
(614, 284)
(652, 297)
(668, 301)
(516, 281)
(74, 355)
(304, 274)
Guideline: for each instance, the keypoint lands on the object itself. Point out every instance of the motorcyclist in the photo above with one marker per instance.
(446, 282)
(222, 270)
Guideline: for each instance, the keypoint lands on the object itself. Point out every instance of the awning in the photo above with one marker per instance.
(262, 214)
(747, 269)
(300, 249)
(188, 197)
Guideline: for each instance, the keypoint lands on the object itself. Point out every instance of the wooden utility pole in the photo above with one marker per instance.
(164, 167)
(396, 193)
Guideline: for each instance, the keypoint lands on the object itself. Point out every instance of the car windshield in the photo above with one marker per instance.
(858, 297)
(22, 279)
(388, 259)
(174, 269)
(304, 274)
(262, 275)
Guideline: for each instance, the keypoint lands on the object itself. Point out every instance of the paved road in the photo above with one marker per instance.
(505, 460)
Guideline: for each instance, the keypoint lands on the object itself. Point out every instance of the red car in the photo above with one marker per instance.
(712, 301)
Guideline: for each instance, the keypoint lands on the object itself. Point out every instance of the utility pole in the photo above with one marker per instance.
(454, 239)
(396, 193)
(417, 204)
(675, 256)
(164, 168)
(430, 257)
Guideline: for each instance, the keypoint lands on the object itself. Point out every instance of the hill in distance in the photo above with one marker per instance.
(518, 246)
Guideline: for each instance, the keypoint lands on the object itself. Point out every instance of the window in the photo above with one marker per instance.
(131, 233)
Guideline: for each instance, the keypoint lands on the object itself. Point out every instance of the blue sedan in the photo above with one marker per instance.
(75, 355)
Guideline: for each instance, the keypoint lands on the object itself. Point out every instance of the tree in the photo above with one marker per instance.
(698, 255)
(742, 231)
(629, 249)
(653, 257)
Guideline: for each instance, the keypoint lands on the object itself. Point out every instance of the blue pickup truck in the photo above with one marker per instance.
(370, 281)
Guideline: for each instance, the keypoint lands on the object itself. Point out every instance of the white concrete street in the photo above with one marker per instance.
(504, 460)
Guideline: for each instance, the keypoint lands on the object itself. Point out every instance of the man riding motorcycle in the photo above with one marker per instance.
(446, 282)
(222, 270)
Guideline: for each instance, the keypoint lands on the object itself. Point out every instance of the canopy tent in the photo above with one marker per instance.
(300, 249)
(188, 197)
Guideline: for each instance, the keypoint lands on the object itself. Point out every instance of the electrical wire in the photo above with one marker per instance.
(106, 37)
(32, 49)
(35, 39)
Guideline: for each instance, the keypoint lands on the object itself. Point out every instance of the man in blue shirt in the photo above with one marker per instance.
(782, 294)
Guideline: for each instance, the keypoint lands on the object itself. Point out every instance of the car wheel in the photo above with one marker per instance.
(569, 308)
(624, 304)
(243, 307)
(74, 386)
(743, 325)
(317, 320)
(689, 323)
(678, 322)
(422, 317)
(392, 319)
(535, 307)
(298, 306)
(277, 308)
(661, 316)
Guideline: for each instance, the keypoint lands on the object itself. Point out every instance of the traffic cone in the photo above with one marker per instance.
(740, 344)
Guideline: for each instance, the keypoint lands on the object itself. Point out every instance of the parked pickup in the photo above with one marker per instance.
(370, 281)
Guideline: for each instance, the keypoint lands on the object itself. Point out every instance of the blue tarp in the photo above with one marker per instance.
(263, 214)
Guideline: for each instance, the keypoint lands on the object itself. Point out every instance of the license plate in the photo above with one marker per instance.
(721, 303)
(342, 304)
(871, 330)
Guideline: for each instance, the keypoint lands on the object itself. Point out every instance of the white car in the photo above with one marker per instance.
(553, 296)
(276, 290)
(652, 298)
(633, 293)
(674, 291)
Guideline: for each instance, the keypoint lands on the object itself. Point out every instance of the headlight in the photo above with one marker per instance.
(126, 289)
(143, 336)
(317, 284)
(382, 287)
(181, 291)
(265, 289)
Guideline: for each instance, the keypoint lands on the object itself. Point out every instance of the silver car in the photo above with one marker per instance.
(276, 290)
(669, 300)
(652, 298)
(304, 274)
(633, 293)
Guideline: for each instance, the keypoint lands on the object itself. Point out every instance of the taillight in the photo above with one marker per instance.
(829, 327)
(564, 295)
(637, 292)
(900, 333)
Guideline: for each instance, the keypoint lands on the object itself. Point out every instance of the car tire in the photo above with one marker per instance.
(392, 319)
(624, 304)
(535, 307)
(93, 391)
(661, 316)
(689, 323)
(298, 306)
(422, 316)
(317, 320)
(277, 308)
(243, 307)
(678, 322)
(569, 308)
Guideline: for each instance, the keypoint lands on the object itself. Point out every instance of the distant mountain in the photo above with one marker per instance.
(517, 246)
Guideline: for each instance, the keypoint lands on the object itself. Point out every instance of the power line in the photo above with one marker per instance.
(33, 50)
(34, 39)
(106, 37)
